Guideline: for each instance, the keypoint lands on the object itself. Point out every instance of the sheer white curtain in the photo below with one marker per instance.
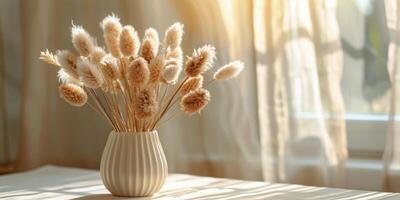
(392, 150)
(299, 63)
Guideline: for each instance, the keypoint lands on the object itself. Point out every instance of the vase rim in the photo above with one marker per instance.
(133, 132)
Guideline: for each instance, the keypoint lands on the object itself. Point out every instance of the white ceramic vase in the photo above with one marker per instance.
(133, 164)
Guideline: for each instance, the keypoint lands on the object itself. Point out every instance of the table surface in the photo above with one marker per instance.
(51, 182)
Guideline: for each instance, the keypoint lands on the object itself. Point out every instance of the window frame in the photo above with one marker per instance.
(366, 135)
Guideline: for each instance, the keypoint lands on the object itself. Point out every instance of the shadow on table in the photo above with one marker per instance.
(238, 190)
(55, 182)
(109, 197)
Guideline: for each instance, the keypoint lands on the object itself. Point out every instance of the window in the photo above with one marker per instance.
(365, 80)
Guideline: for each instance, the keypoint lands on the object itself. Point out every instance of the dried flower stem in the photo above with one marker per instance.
(101, 107)
(165, 93)
(129, 114)
(173, 116)
(111, 110)
(118, 110)
(102, 115)
(209, 82)
(169, 101)
(106, 109)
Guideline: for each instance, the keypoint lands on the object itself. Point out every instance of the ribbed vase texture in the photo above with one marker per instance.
(133, 164)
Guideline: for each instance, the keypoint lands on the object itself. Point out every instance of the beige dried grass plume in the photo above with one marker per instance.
(173, 36)
(68, 61)
(201, 60)
(156, 67)
(229, 71)
(174, 57)
(150, 45)
(49, 58)
(145, 104)
(97, 55)
(195, 101)
(64, 77)
(73, 94)
(153, 34)
(89, 74)
(170, 74)
(175, 54)
(111, 32)
(82, 41)
(193, 83)
(110, 69)
(129, 41)
(138, 72)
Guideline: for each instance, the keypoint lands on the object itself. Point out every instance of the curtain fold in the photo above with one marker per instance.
(299, 62)
(10, 81)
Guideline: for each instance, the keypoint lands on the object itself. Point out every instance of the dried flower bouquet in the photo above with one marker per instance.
(136, 83)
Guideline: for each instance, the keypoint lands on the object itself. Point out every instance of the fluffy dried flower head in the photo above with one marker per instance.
(138, 72)
(170, 74)
(111, 32)
(109, 67)
(148, 50)
(68, 62)
(173, 36)
(73, 94)
(174, 61)
(150, 45)
(129, 41)
(145, 104)
(174, 57)
(228, 71)
(156, 66)
(174, 54)
(97, 55)
(89, 74)
(195, 101)
(82, 41)
(201, 60)
(64, 77)
(153, 34)
(112, 87)
(193, 83)
(48, 57)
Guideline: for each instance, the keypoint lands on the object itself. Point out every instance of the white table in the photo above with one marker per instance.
(59, 183)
